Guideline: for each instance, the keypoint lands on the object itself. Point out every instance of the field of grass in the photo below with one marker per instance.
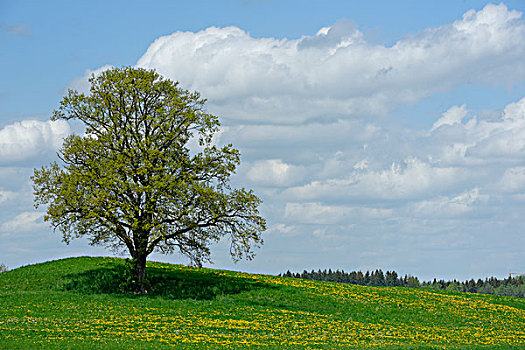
(72, 304)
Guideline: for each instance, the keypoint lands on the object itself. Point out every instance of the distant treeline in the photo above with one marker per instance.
(508, 286)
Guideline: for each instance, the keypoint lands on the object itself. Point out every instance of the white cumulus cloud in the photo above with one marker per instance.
(453, 116)
(81, 84)
(25, 222)
(449, 207)
(322, 214)
(6, 197)
(274, 172)
(411, 179)
(513, 180)
(29, 139)
(337, 73)
(499, 139)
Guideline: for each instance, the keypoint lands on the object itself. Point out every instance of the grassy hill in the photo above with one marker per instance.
(74, 303)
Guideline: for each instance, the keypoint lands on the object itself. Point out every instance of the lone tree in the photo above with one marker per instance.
(132, 182)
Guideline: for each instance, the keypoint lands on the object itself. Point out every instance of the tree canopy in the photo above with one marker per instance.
(134, 181)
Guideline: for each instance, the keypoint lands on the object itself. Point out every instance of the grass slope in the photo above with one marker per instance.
(71, 303)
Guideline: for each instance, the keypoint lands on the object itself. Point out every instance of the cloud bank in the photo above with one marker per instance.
(31, 139)
(337, 73)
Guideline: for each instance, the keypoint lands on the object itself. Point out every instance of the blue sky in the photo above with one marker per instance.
(379, 134)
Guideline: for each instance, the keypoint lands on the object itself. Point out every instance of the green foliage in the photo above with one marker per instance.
(508, 287)
(131, 182)
(375, 278)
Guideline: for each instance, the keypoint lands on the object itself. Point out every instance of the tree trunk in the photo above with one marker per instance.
(139, 274)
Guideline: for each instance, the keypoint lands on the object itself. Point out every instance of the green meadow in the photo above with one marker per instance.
(79, 303)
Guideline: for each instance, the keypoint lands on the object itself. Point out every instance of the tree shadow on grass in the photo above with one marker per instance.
(171, 284)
